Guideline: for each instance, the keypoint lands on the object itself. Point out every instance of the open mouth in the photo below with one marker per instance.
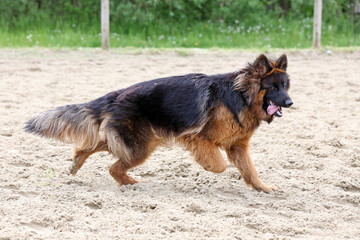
(273, 109)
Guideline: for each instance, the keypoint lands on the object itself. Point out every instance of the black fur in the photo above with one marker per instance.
(174, 103)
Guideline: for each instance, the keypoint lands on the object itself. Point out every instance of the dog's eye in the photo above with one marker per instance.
(273, 88)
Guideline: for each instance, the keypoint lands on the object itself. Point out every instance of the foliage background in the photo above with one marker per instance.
(157, 23)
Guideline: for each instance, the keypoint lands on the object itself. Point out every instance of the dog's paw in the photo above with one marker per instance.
(266, 188)
(72, 169)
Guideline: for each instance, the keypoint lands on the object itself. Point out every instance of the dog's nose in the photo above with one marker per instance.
(288, 102)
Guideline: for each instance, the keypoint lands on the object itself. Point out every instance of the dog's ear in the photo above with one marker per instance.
(281, 63)
(262, 65)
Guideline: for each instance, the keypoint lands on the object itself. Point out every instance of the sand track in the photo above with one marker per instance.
(312, 154)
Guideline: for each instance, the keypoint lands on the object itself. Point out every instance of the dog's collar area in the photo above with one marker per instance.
(274, 70)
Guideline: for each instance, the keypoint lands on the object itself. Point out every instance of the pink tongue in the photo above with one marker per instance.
(272, 109)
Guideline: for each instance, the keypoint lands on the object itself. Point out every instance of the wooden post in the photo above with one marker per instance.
(317, 23)
(357, 6)
(105, 17)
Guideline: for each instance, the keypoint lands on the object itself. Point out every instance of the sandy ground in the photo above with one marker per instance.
(312, 154)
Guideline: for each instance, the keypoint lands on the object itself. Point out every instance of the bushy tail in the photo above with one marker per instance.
(72, 123)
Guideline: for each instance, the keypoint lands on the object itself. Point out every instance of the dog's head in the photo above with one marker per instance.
(276, 83)
(268, 85)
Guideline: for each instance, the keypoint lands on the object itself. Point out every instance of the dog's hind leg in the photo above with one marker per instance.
(207, 154)
(239, 155)
(134, 156)
(119, 172)
(80, 155)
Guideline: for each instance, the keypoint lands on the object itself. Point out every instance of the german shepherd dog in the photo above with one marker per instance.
(200, 112)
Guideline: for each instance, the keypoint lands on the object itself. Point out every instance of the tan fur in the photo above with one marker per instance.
(83, 130)
(239, 155)
(80, 155)
(205, 152)
(119, 169)
(225, 132)
(116, 145)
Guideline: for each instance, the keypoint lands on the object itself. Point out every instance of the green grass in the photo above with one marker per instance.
(276, 34)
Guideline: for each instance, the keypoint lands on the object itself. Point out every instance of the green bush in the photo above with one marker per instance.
(177, 23)
(125, 13)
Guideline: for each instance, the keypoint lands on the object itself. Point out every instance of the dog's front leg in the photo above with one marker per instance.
(206, 153)
(239, 155)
